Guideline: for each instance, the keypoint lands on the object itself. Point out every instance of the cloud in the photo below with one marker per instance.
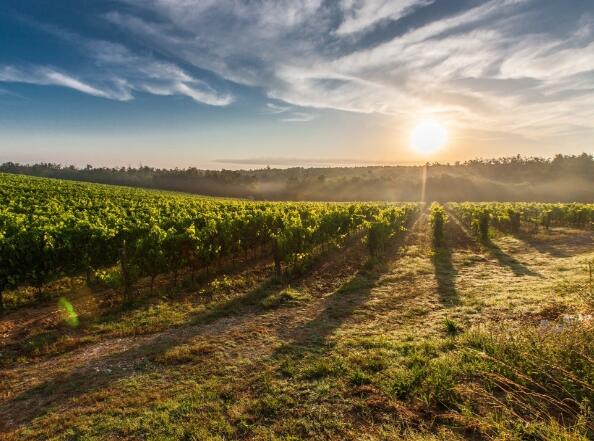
(120, 88)
(359, 15)
(299, 55)
(497, 63)
(201, 94)
(298, 117)
(117, 73)
(46, 76)
(275, 108)
(144, 73)
(297, 162)
(549, 59)
(290, 114)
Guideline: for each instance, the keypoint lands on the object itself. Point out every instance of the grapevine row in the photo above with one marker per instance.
(510, 217)
(52, 228)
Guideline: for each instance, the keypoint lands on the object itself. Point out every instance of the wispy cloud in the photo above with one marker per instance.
(275, 109)
(499, 63)
(359, 15)
(489, 65)
(117, 88)
(295, 162)
(46, 76)
(289, 113)
(298, 117)
(118, 73)
(158, 77)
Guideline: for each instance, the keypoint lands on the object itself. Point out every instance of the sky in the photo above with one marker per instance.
(243, 84)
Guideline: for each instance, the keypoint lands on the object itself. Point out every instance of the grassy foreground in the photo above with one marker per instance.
(470, 342)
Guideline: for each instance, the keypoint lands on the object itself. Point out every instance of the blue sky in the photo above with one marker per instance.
(219, 83)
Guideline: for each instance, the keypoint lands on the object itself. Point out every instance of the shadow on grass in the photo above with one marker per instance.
(445, 275)
(177, 288)
(308, 353)
(542, 246)
(504, 259)
(312, 338)
(344, 302)
(137, 358)
(103, 371)
(340, 305)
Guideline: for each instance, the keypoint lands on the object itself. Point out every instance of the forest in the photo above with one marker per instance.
(564, 178)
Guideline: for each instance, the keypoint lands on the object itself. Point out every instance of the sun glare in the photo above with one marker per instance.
(428, 136)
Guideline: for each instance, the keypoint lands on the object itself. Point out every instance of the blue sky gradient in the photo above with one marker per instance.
(196, 82)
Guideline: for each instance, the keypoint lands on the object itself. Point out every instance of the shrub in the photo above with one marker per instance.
(438, 217)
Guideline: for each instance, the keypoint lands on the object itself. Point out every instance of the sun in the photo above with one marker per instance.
(428, 136)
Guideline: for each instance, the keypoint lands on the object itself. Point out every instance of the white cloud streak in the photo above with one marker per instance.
(45, 76)
(298, 117)
(361, 14)
(289, 113)
(482, 67)
(121, 74)
(274, 109)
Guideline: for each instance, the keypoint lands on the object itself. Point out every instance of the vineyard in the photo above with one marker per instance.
(510, 217)
(137, 314)
(51, 229)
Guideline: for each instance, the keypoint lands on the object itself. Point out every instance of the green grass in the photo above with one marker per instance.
(451, 327)
(287, 296)
(466, 345)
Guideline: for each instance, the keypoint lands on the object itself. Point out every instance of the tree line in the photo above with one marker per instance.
(563, 178)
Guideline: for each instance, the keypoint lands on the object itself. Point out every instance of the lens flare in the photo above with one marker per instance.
(70, 315)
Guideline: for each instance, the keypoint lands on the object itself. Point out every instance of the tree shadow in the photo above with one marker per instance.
(543, 247)
(340, 305)
(102, 371)
(308, 348)
(445, 275)
(457, 236)
(187, 287)
(504, 259)
(344, 301)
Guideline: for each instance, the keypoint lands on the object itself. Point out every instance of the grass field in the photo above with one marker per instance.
(473, 341)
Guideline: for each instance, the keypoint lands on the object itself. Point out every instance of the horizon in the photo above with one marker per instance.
(234, 85)
(260, 164)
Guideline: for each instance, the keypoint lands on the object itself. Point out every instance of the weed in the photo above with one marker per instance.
(324, 367)
(452, 328)
(287, 296)
(359, 378)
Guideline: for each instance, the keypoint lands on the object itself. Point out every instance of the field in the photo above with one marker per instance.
(134, 314)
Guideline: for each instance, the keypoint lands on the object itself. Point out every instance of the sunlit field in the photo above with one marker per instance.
(286, 220)
(155, 315)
